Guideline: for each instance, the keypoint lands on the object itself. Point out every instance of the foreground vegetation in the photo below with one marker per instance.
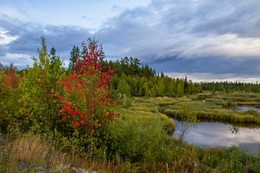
(64, 120)
(137, 142)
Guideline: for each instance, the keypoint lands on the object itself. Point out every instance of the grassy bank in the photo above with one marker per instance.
(211, 106)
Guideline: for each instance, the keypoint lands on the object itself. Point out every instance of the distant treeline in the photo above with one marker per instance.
(134, 79)
(231, 86)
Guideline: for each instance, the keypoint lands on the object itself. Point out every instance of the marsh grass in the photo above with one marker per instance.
(29, 154)
(149, 117)
(29, 149)
(206, 106)
(213, 107)
(32, 153)
(218, 115)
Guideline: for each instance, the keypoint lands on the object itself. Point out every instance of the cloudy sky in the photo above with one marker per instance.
(201, 39)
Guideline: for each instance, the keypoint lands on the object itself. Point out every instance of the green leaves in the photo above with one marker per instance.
(36, 101)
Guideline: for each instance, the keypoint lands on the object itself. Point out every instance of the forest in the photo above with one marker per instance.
(112, 116)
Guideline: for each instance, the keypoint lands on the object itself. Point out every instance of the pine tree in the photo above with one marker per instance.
(74, 54)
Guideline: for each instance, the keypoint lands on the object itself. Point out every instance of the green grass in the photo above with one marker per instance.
(146, 114)
(204, 106)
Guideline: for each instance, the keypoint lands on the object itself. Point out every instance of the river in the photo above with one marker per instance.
(212, 134)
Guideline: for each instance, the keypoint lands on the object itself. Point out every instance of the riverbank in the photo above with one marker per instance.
(215, 109)
(141, 146)
(210, 106)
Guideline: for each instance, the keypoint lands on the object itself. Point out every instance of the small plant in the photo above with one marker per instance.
(252, 112)
(230, 104)
(190, 120)
(124, 100)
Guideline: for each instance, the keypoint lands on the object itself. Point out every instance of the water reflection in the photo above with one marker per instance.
(234, 129)
(248, 108)
(219, 134)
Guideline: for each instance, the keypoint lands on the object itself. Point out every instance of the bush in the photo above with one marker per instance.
(123, 100)
(138, 140)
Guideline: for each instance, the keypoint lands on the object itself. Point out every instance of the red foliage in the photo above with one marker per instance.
(11, 77)
(86, 93)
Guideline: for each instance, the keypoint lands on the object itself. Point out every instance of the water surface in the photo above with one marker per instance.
(247, 108)
(210, 134)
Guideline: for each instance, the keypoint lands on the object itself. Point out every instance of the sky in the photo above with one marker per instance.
(205, 40)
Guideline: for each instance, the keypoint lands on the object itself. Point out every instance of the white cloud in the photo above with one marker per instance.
(226, 45)
(17, 56)
(5, 38)
(20, 60)
(210, 77)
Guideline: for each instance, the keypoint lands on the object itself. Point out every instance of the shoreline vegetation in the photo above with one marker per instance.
(219, 107)
(99, 116)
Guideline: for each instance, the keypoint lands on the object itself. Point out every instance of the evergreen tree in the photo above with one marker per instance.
(74, 54)
(53, 54)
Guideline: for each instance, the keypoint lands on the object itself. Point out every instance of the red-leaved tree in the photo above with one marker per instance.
(11, 77)
(85, 97)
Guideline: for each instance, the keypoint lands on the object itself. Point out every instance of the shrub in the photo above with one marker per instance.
(36, 107)
(9, 94)
(139, 140)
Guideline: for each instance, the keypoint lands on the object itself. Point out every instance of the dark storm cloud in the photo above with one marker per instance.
(217, 65)
(60, 37)
(203, 16)
(190, 36)
(241, 18)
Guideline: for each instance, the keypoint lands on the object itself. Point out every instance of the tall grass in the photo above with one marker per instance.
(32, 153)
(29, 149)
